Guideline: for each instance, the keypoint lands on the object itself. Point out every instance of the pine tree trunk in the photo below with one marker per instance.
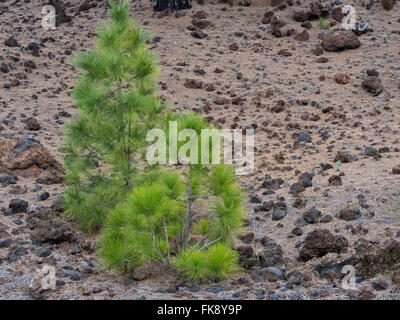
(171, 5)
(188, 216)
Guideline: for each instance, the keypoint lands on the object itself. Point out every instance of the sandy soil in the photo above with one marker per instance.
(255, 72)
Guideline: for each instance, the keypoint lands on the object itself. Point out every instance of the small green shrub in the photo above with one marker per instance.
(221, 262)
(325, 24)
(216, 263)
(191, 264)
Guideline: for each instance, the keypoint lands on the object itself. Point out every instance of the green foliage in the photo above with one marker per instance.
(228, 205)
(203, 227)
(117, 105)
(228, 222)
(137, 231)
(214, 264)
(172, 181)
(221, 262)
(325, 24)
(223, 180)
(191, 264)
(153, 215)
(184, 217)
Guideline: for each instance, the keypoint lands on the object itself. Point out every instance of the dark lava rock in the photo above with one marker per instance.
(272, 255)
(337, 14)
(380, 285)
(306, 179)
(18, 205)
(299, 203)
(303, 36)
(372, 152)
(8, 212)
(273, 184)
(200, 14)
(372, 73)
(388, 4)
(47, 226)
(11, 42)
(32, 124)
(19, 251)
(43, 252)
(335, 180)
(296, 188)
(304, 136)
(198, 34)
(320, 242)
(396, 170)
(326, 219)
(30, 156)
(33, 46)
(247, 256)
(300, 222)
(284, 53)
(376, 258)
(140, 273)
(193, 83)
(301, 15)
(266, 206)
(307, 25)
(297, 231)
(255, 199)
(61, 16)
(312, 215)
(270, 274)
(372, 85)
(322, 60)
(233, 46)
(5, 69)
(342, 78)
(343, 156)
(279, 107)
(15, 253)
(340, 40)
(349, 214)
(43, 196)
(277, 3)
(279, 211)
(247, 237)
(5, 243)
(200, 23)
(87, 5)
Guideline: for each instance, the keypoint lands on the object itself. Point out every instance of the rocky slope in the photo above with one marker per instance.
(324, 193)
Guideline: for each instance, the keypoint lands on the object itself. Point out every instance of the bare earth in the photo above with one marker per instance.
(319, 118)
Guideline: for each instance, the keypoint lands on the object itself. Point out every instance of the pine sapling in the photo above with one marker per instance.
(117, 105)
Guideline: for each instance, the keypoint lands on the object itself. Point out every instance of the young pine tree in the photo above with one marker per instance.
(117, 105)
(187, 219)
